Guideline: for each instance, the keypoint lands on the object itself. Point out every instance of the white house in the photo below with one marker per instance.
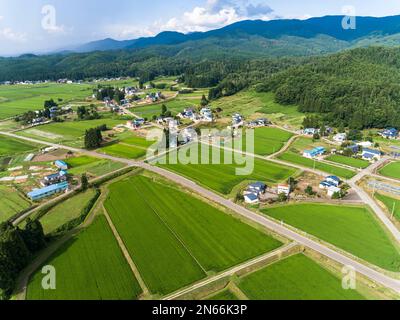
(284, 188)
(365, 144)
(251, 198)
(340, 137)
(310, 131)
(332, 190)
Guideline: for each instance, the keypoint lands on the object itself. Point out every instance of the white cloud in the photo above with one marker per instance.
(219, 13)
(213, 14)
(11, 35)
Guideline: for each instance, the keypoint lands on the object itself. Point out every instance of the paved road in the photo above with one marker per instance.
(279, 229)
(252, 216)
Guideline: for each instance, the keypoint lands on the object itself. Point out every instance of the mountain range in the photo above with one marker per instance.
(174, 53)
(329, 28)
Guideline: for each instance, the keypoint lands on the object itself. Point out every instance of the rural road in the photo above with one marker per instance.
(280, 229)
(231, 271)
(264, 221)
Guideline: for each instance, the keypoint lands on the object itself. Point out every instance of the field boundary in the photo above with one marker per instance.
(125, 252)
(234, 270)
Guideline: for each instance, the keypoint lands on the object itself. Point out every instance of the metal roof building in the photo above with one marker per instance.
(47, 191)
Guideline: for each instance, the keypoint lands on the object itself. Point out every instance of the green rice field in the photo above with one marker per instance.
(17, 99)
(309, 163)
(352, 229)
(225, 295)
(295, 278)
(176, 239)
(11, 203)
(392, 170)
(392, 205)
(268, 140)
(124, 151)
(348, 161)
(223, 177)
(10, 146)
(67, 131)
(66, 211)
(91, 266)
(92, 166)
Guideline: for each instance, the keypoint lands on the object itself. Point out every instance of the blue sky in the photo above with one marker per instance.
(45, 25)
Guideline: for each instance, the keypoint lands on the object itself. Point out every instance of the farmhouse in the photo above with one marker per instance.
(61, 165)
(332, 190)
(365, 144)
(257, 187)
(237, 120)
(371, 155)
(134, 124)
(314, 153)
(187, 114)
(340, 137)
(331, 181)
(38, 194)
(391, 133)
(310, 131)
(251, 198)
(54, 178)
(354, 148)
(206, 114)
(284, 188)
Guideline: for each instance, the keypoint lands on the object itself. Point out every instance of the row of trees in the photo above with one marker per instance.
(17, 247)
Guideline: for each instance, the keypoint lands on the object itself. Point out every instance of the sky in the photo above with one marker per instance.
(38, 26)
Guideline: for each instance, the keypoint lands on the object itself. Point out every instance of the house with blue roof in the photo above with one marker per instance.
(371, 155)
(257, 187)
(333, 180)
(314, 153)
(61, 165)
(251, 198)
(45, 192)
(391, 133)
(354, 148)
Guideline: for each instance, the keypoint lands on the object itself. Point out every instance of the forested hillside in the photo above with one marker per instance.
(358, 88)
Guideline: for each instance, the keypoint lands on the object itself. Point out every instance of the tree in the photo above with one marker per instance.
(337, 196)
(14, 256)
(204, 101)
(164, 110)
(309, 190)
(282, 197)
(48, 104)
(33, 235)
(292, 183)
(93, 138)
(355, 135)
(84, 182)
